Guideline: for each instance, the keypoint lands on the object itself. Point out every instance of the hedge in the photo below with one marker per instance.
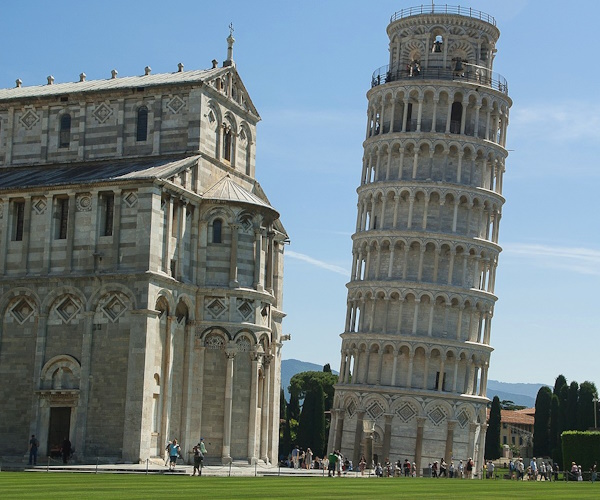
(581, 447)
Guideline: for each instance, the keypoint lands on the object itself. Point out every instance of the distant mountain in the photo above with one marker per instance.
(521, 393)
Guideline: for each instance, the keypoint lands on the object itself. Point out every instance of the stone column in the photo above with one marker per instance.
(84, 385)
(233, 266)
(387, 435)
(252, 420)
(358, 431)
(265, 408)
(449, 440)
(339, 428)
(258, 284)
(228, 406)
(139, 386)
(37, 422)
(394, 369)
(419, 444)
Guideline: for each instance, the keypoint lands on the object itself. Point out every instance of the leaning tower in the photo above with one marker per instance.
(416, 345)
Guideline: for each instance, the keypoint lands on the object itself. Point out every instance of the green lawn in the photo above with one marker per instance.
(134, 486)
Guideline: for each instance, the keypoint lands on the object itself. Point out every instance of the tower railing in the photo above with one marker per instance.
(443, 9)
(469, 73)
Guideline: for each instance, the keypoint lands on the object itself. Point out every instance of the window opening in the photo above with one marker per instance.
(142, 124)
(65, 131)
(109, 210)
(408, 116)
(455, 117)
(217, 231)
(63, 218)
(19, 216)
(227, 144)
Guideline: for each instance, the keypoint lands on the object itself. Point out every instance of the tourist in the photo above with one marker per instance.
(66, 450)
(443, 468)
(295, 456)
(534, 469)
(594, 472)
(331, 465)
(520, 469)
(167, 452)
(174, 450)
(490, 470)
(362, 464)
(414, 469)
(461, 469)
(339, 462)
(308, 458)
(406, 468)
(198, 459)
(469, 468)
(34, 444)
(451, 470)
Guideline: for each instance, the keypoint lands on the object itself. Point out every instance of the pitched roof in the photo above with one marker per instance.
(227, 190)
(89, 172)
(179, 77)
(525, 416)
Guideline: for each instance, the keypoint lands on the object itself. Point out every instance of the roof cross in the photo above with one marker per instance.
(230, 29)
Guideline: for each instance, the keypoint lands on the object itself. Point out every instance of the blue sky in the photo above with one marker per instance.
(307, 66)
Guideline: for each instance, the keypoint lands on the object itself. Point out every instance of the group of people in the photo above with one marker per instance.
(66, 450)
(302, 459)
(535, 471)
(173, 452)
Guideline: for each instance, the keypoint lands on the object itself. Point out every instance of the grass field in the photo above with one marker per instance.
(133, 486)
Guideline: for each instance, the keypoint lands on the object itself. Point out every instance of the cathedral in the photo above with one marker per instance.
(141, 269)
(416, 345)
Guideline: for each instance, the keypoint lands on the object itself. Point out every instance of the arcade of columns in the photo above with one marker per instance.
(416, 344)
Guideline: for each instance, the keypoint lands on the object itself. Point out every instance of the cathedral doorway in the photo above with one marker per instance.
(58, 428)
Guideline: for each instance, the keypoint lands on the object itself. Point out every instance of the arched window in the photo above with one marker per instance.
(217, 231)
(65, 131)
(142, 124)
(227, 143)
(456, 117)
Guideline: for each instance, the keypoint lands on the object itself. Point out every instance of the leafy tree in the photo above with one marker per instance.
(285, 438)
(493, 450)
(585, 406)
(571, 414)
(300, 382)
(311, 426)
(327, 368)
(507, 404)
(541, 424)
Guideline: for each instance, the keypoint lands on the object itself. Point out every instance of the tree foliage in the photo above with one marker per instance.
(493, 450)
(572, 403)
(301, 382)
(554, 436)
(559, 383)
(311, 426)
(541, 424)
(585, 406)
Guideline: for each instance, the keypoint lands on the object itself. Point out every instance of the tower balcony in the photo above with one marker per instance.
(463, 72)
(443, 9)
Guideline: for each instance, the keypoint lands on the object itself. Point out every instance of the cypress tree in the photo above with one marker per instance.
(585, 406)
(311, 426)
(571, 414)
(493, 450)
(555, 431)
(559, 383)
(541, 424)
